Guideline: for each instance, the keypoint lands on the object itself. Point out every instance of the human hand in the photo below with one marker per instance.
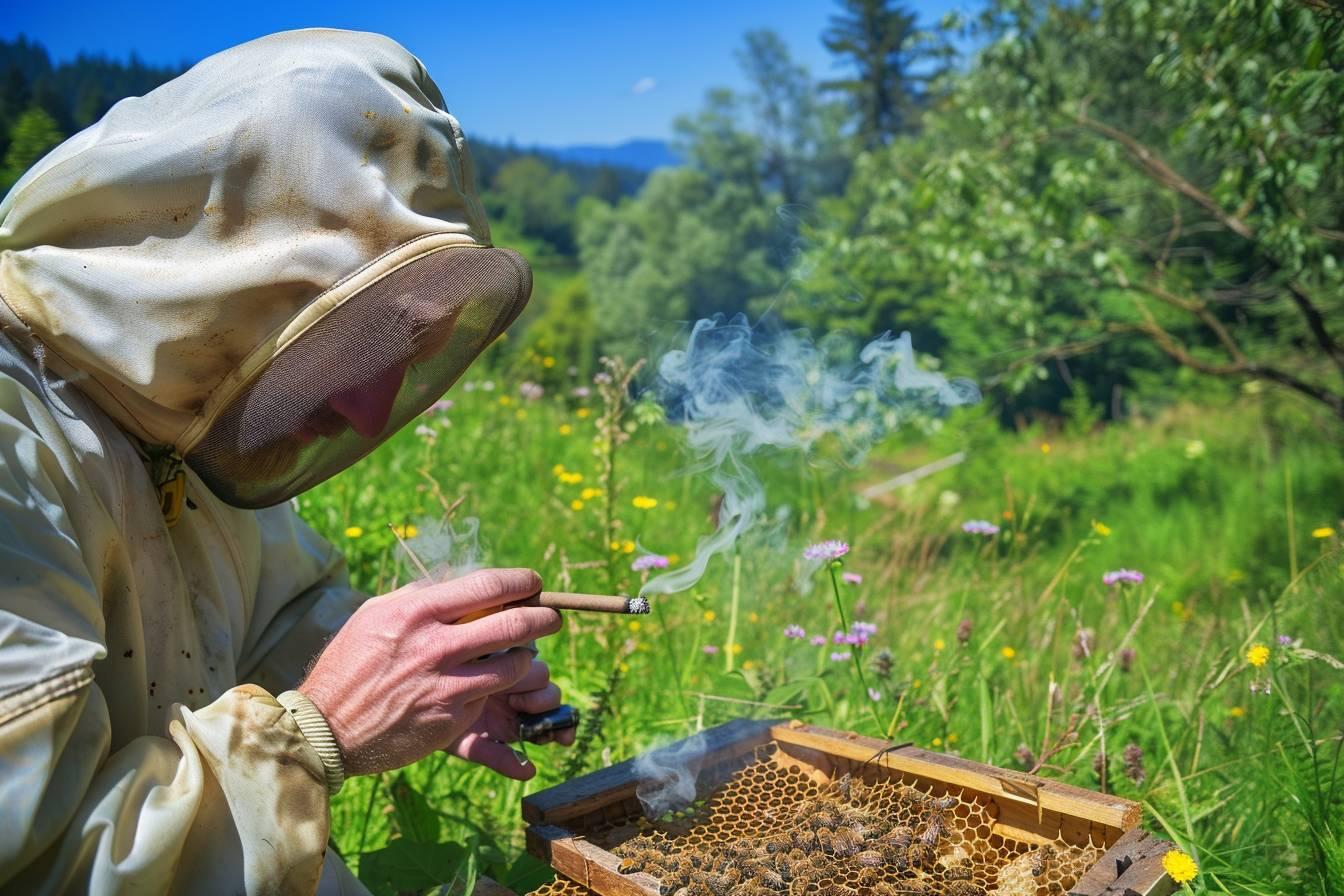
(487, 740)
(401, 680)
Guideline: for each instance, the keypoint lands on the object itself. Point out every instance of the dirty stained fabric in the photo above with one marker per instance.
(145, 265)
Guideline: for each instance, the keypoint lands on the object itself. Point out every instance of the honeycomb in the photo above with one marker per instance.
(775, 828)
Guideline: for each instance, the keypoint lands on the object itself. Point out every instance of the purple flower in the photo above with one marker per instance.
(581, 392)
(980, 527)
(602, 378)
(1285, 640)
(531, 391)
(710, 649)
(440, 406)
(874, 694)
(840, 656)
(851, 578)
(649, 561)
(826, 550)
(839, 637)
(1118, 576)
(818, 640)
(794, 631)
(864, 630)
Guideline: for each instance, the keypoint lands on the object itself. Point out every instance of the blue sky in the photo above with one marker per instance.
(539, 73)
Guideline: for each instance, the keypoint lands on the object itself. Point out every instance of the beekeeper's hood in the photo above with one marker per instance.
(270, 263)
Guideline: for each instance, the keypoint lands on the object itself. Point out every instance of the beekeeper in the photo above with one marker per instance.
(218, 296)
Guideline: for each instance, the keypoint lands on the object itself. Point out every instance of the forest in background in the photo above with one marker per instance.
(1108, 206)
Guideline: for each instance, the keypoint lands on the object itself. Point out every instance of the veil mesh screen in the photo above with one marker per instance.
(390, 351)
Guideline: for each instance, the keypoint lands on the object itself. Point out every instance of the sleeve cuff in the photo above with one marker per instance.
(318, 734)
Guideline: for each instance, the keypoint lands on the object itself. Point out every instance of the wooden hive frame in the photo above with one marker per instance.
(1027, 808)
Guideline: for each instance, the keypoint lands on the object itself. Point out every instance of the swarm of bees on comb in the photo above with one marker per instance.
(771, 829)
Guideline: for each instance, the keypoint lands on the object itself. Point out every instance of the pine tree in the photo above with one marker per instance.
(32, 136)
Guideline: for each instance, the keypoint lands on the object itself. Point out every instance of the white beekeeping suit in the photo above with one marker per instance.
(219, 295)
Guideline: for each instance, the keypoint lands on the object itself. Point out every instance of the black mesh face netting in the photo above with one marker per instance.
(392, 349)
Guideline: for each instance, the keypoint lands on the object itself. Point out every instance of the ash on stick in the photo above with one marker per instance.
(595, 603)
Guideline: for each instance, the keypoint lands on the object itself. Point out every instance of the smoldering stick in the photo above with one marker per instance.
(593, 603)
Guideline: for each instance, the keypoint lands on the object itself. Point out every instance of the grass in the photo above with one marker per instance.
(1006, 649)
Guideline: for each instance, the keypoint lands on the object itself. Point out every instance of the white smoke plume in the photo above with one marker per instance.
(447, 551)
(736, 390)
(667, 776)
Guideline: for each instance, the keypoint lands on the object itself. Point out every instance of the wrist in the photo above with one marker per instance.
(313, 724)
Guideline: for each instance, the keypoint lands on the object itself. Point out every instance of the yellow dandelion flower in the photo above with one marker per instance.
(1008, 514)
(566, 429)
(643, 502)
(736, 649)
(506, 400)
(520, 414)
(1179, 866)
(1101, 528)
(939, 644)
(582, 413)
(1258, 655)
(952, 738)
(406, 531)
(937, 742)
(1237, 712)
(353, 531)
(558, 470)
(590, 493)
(753, 617)
(1045, 447)
(627, 547)
(548, 361)
(625, 667)
(917, 683)
(615, 545)
(673, 559)
(709, 616)
(1322, 532)
(748, 665)
(1007, 652)
(634, 625)
(571, 478)
(576, 504)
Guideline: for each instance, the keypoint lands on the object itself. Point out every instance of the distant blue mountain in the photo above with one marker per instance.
(642, 155)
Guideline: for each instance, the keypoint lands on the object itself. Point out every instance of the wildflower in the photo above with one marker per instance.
(826, 550)
(1008, 515)
(1127, 659)
(936, 742)
(571, 478)
(558, 470)
(1194, 449)
(951, 738)
(753, 617)
(1261, 688)
(947, 499)
(864, 630)
(353, 531)
(649, 561)
(1134, 769)
(488, 385)
(406, 531)
(506, 400)
(736, 649)
(1118, 576)
(840, 656)
(794, 631)
(851, 578)
(1024, 756)
(1237, 712)
(627, 546)
(1045, 447)
(874, 694)
(1258, 655)
(710, 649)
(1179, 866)
(839, 638)
(1007, 652)
(602, 378)
(590, 493)
(1285, 640)
(582, 413)
(440, 406)
(1322, 532)
(548, 362)
(708, 616)
(1083, 643)
(964, 632)
(644, 503)
(980, 527)
(1101, 528)
(566, 429)
(581, 392)
(576, 504)
(939, 644)
(634, 625)
(426, 432)
(818, 640)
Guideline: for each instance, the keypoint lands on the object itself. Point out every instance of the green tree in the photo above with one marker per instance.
(32, 136)
(892, 60)
(536, 200)
(1113, 185)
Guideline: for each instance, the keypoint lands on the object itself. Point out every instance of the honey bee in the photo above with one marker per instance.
(1040, 860)
(869, 858)
(946, 802)
(639, 860)
(934, 829)
(964, 888)
(921, 854)
(844, 842)
(899, 836)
